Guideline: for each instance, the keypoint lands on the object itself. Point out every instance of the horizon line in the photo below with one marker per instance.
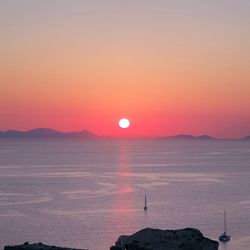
(172, 136)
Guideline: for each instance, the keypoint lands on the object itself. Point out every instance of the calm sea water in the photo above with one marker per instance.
(85, 194)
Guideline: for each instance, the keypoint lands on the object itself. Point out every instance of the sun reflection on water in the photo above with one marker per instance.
(123, 206)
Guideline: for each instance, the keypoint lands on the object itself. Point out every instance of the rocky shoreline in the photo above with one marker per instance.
(145, 239)
(37, 246)
(157, 239)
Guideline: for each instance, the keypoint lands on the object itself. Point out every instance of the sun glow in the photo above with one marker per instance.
(124, 123)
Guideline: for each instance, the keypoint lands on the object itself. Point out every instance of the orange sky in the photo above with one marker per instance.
(169, 66)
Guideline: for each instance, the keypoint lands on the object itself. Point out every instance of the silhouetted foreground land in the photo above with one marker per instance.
(37, 246)
(145, 239)
(156, 239)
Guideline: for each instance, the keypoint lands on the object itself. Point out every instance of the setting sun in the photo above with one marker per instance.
(124, 123)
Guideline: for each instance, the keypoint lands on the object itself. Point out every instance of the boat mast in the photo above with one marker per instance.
(145, 203)
(225, 222)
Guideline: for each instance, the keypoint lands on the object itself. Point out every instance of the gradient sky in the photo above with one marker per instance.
(169, 66)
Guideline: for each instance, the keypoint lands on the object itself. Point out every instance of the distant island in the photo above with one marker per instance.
(86, 134)
(200, 137)
(189, 137)
(46, 133)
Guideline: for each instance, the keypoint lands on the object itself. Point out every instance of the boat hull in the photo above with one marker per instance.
(224, 238)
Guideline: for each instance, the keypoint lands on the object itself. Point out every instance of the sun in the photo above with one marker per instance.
(124, 123)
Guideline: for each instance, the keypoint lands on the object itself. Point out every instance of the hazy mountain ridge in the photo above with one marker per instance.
(53, 133)
(47, 132)
(188, 137)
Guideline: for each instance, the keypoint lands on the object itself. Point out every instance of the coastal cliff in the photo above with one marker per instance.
(157, 239)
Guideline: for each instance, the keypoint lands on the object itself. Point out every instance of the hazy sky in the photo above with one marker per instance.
(169, 66)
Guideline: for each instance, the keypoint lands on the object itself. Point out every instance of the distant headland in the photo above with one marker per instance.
(46, 133)
(189, 137)
(86, 134)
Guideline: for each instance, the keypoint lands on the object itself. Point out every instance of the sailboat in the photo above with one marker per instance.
(145, 204)
(224, 237)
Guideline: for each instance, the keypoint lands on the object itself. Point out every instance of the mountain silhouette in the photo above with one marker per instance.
(246, 138)
(53, 133)
(47, 132)
(188, 137)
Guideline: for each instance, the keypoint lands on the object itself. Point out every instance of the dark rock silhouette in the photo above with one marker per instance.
(37, 246)
(46, 133)
(157, 239)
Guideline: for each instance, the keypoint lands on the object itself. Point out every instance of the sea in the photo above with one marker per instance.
(86, 193)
